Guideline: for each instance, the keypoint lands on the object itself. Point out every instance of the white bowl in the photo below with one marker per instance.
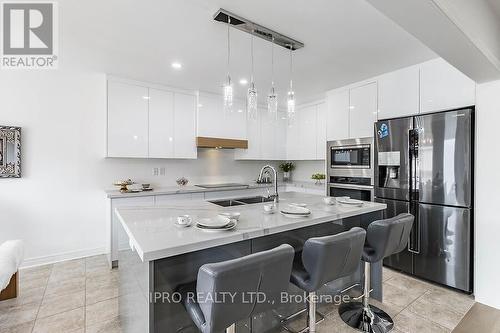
(329, 200)
(231, 215)
(269, 209)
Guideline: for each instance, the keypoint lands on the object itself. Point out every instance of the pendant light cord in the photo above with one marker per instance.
(251, 50)
(272, 62)
(228, 44)
(291, 69)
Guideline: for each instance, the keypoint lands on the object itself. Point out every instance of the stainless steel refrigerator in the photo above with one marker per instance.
(424, 165)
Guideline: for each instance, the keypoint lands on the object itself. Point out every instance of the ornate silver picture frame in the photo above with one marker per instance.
(10, 152)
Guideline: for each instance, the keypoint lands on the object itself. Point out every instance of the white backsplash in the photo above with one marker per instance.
(212, 166)
(304, 169)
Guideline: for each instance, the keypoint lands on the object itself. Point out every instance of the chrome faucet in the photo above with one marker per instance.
(275, 196)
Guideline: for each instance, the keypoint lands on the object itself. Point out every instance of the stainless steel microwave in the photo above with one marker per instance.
(350, 156)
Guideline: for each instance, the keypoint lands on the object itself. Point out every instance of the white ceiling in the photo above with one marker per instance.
(345, 41)
(496, 6)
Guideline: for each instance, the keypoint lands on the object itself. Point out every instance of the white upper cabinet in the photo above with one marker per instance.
(321, 131)
(150, 122)
(398, 93)
(293, 138)
(161, 123)
(268, 128)
(253, 130)
(362, 110)
(337, 114)
(308, 132)
(281, 137)
(127, 120)
(185, 126)
(215, 123)
(444, 87)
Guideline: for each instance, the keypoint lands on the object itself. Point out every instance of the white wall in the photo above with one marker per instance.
(487, 216)
(58, 206)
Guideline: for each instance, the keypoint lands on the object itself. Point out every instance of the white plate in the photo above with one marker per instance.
(228, 227)
(294, 216)
(231, 215)
(350, 202)
(298, 204)
(295, 210)
(214, 222)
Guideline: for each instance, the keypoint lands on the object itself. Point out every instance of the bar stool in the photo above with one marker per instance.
(383, 238)
(226, 291)
(323, 260)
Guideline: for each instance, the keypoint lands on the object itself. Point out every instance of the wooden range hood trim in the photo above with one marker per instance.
(206, 142)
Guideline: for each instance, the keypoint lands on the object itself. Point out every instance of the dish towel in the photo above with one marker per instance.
(11, 257)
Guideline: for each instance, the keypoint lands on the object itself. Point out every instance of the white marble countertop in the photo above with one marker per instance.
(114, 194)
(153, 234)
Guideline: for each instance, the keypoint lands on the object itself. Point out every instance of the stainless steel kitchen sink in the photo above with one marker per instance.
(241, 201)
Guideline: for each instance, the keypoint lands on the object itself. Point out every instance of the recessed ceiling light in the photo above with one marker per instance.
(200, 105)
(176, 65)
(243, 82)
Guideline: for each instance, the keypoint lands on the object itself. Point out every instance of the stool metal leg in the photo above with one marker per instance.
(314, 317)
(311, 315)
(363, 316)
(231, 329)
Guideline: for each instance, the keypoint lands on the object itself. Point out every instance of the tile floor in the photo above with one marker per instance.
(82, 296)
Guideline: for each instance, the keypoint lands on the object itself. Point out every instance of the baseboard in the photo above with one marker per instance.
(31, 262)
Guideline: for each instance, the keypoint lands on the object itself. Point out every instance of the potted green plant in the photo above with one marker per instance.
(318, 177)
(287, 168)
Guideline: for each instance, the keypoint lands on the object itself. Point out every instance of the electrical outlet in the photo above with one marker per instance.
(162, 171)
(155, 171)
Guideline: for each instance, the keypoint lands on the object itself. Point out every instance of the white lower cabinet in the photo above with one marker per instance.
(118, 237)
(172, 198)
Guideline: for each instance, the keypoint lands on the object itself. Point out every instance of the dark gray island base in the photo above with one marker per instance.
(150, 303)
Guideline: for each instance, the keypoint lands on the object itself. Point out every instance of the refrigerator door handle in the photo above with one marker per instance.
(417, 241)
(414, 243)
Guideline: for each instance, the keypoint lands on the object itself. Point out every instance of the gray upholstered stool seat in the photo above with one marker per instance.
(383, 238)
(323, 260)
(265, 272)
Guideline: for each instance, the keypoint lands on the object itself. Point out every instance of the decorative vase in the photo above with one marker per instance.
(286, 176)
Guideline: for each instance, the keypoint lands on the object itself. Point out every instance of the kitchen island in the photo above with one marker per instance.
(163, 256)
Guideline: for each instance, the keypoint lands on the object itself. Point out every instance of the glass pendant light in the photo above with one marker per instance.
(290, 102)
(252, 92)
(272, 98)
(228, 86)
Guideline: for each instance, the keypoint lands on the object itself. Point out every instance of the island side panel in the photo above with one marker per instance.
(134, 279)
(170, 273)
